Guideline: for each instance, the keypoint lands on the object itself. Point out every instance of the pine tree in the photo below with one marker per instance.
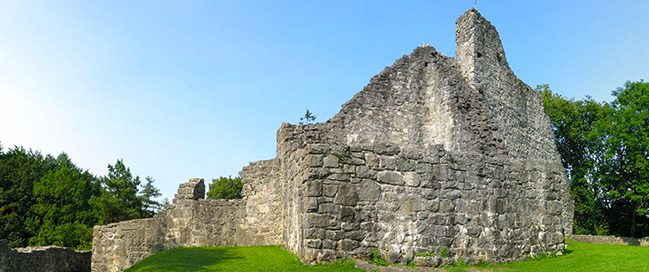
(119, 200)
(148, 194)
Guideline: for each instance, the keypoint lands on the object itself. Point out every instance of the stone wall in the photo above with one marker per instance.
(264, 213)
(523, 128)
(611, 240)
(191, 221)
(405, 201)
(50, 258)
(117, 246)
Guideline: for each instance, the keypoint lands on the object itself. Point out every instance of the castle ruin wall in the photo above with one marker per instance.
(263, 222)
(435, 154)
(405, 201)
(118, 246)
(48, 258)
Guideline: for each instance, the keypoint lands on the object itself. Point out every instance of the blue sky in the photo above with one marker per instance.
(182, 89)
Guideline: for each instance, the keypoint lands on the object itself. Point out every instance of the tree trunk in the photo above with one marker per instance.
(632, 231)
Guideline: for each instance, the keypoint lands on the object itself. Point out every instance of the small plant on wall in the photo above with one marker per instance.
(307, 118)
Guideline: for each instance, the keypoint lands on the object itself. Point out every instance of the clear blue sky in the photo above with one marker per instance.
(182, 89)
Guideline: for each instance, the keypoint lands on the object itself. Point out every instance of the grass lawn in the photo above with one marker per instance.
(579, 257)
(259, 258)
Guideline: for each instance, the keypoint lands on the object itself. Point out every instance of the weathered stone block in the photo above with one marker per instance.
(330, 161)
(347, 214)
(318, 220)
(330, 190)
(315, 233)
(391, 177)
(369, 190)
(389, 163)
(314, 188)
(314, 160)
(386, 149)
(314, 243)
(334, 235)
(346, 195)
(356, 235)
(329, 244)
(411, 179)
(311, 204)
(328, 208)
(348, 245)
(372, 160)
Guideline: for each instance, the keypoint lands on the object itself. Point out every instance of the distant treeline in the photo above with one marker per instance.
(604, 148)
(46, 200)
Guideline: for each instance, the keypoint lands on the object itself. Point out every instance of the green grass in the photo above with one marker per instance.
(579, 257)
(259, 258)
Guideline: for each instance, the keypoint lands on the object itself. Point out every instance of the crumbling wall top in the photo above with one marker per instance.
(194, 189)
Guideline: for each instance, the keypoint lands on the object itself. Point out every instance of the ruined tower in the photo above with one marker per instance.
(434, 154)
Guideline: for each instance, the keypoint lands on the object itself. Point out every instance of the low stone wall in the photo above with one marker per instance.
(118, 246)
(191, 221)
(611, 240)
(50, 259)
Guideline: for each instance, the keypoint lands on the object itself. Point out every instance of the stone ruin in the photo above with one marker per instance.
(43, 258)
(436, 154)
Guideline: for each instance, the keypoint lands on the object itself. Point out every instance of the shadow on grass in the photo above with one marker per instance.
(235, 259)
(187, 259)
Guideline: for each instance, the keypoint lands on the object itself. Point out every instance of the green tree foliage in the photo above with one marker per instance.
(19, 170)
(573, 123)
(61, 214)
(225, 188)
(50, 201)
(164, 205)
(118, 200)
(604, 149)
(625, 167)
(148, 194)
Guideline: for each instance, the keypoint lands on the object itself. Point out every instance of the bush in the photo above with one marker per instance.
(377, 258)
(225, 188)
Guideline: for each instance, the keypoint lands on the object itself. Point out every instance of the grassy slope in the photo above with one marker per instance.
(580, 257)
(260, 258)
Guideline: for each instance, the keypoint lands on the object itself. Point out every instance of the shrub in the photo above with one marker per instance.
(377, 259)
(443, 252)
(225, 188)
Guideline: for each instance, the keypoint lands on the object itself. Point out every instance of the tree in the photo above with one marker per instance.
(578, 142)
(164, 205)
(308, 117)
(50, 201)
(625, 168)
(118, 200)
(148, 194)
(604, 148)
(19, 169)
(225, 188)
(61, 214)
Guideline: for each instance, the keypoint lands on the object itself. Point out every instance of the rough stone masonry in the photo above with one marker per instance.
(450, 158)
